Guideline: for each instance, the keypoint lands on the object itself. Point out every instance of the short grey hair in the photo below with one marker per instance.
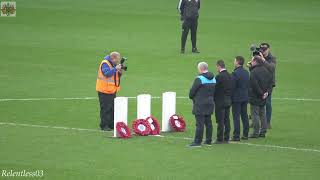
(203, 66)
(115, 56)
(114, 53)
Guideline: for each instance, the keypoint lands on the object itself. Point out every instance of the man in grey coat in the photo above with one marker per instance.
(270, 63)
(259, 90)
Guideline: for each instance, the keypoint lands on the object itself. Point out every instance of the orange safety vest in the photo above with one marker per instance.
(107, 85)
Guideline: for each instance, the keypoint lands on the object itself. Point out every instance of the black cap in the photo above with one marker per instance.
(264, 46)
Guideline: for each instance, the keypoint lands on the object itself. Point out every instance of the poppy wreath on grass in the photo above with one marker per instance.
(141, 127)
(122, 130)
(177, 123)
(154, 125)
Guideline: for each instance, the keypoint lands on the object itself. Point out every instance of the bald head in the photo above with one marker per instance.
(202, 67)
(115, 57)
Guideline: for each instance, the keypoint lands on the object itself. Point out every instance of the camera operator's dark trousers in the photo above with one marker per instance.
(189, 24)
(269, 108)
(259, 119)
(106, 110)
(202, 120)
(240, 109)
(223, 120)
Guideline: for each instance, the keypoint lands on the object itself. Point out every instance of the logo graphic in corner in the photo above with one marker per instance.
(8, 9)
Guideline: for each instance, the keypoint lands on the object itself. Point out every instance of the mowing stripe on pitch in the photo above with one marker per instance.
(153, 97)
(160, 136)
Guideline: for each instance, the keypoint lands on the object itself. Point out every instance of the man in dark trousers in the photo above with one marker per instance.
(270, 62)
(240, 81)
(107, 86)
(189, 11)
(222, 98)
(201, 93)
(259, 90)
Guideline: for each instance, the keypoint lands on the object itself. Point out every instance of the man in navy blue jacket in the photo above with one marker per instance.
(240, 77)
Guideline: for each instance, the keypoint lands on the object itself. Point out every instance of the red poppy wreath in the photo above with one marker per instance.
(122, 130)
(141, 127)
(154, 125)
(177, 123)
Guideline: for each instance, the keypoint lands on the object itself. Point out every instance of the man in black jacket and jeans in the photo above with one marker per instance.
(259, 90)
(189, 11)
(240, 79)
(201, 93)
(222, 98)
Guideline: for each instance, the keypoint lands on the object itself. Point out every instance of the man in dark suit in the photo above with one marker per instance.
(201, 93)
(222, 98)
(261, 81)
(240, 79)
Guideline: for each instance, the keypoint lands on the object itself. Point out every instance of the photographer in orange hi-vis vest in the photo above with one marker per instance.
(108, 84)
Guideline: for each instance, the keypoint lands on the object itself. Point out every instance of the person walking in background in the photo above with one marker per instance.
(202, 95)
(107, 86)
(189, 11)
(260, 87)
(240, 81)
(222, 98)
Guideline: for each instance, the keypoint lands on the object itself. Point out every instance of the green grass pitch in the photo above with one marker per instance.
(53, 49)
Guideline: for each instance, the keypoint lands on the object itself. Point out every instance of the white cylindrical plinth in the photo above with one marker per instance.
(168, 109)
(143, 106)
(120, 112)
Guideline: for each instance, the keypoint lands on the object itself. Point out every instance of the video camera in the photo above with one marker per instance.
(255, 50)
(123, 66)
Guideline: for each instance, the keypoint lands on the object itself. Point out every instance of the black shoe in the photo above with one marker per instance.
(235, 139)
(262, 135)
(195, 50)
(254, 136)
(207, 144)
(218, 142)
(194, 145)
(244, 138)
(182, 51)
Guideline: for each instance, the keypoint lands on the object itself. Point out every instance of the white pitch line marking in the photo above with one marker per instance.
(153, 97)
(161, 136)
(279, 147)
(48, 99)
(50, 127)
